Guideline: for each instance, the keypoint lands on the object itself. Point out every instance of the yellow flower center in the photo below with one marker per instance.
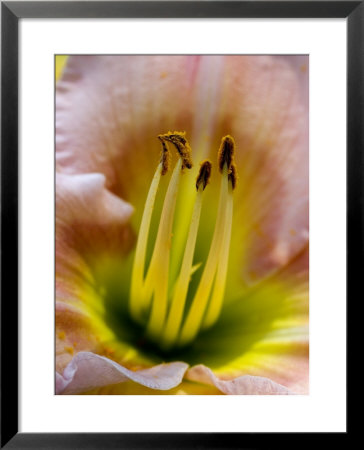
(156, 302)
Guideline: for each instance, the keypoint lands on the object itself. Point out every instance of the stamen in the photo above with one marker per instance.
(219, 243)
(204, 174)
(180, 293)
(226, 153)
(233, 176)
(195, 315)
(157, 277)
(216, 301)
(152, 302)
(165, 156)
(177, 138)
(136, 298)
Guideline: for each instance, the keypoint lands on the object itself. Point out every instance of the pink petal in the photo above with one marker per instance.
(109, 111)
(88, 371)
(88, 219)
(264, 332)
(61, 383)
(74, 332)
(85, 199)
(267, 113)
(105, 124)
(244, 385)
(111, 108)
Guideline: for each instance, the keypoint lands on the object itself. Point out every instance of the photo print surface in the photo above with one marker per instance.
(182, 224)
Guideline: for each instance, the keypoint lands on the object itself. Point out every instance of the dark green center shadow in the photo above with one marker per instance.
(242, 324)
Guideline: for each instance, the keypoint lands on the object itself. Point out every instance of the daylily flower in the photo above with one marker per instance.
(193, 279)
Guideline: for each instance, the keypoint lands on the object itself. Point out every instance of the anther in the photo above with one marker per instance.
(233, 175)
(204, 174)
(177, 138)
(165, 157)
(226, 153)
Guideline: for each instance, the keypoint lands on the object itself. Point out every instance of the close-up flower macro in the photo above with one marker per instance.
(182, 216)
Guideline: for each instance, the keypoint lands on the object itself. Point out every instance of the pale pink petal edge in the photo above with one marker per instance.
(244, 385)
(88, 371)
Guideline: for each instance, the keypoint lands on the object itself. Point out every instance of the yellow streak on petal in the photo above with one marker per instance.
(69, 350)
(60, 62)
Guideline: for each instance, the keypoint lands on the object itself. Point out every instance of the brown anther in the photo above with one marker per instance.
(165, 157)
(226, 153)
(233, 175)
(204, 174)
(177, 138)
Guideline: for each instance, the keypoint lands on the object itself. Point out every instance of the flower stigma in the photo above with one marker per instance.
(171, 314)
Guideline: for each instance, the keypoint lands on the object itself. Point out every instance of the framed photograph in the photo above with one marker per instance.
(181, 217)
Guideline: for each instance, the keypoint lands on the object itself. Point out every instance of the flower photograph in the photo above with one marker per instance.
(181, 225)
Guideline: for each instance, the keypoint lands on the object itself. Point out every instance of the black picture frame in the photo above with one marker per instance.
(11, 13)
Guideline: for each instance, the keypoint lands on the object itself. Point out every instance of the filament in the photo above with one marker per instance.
(195, 315)
(216, 301)
(136, 299)
(153, 302)
(179, 297)
(157, 277)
